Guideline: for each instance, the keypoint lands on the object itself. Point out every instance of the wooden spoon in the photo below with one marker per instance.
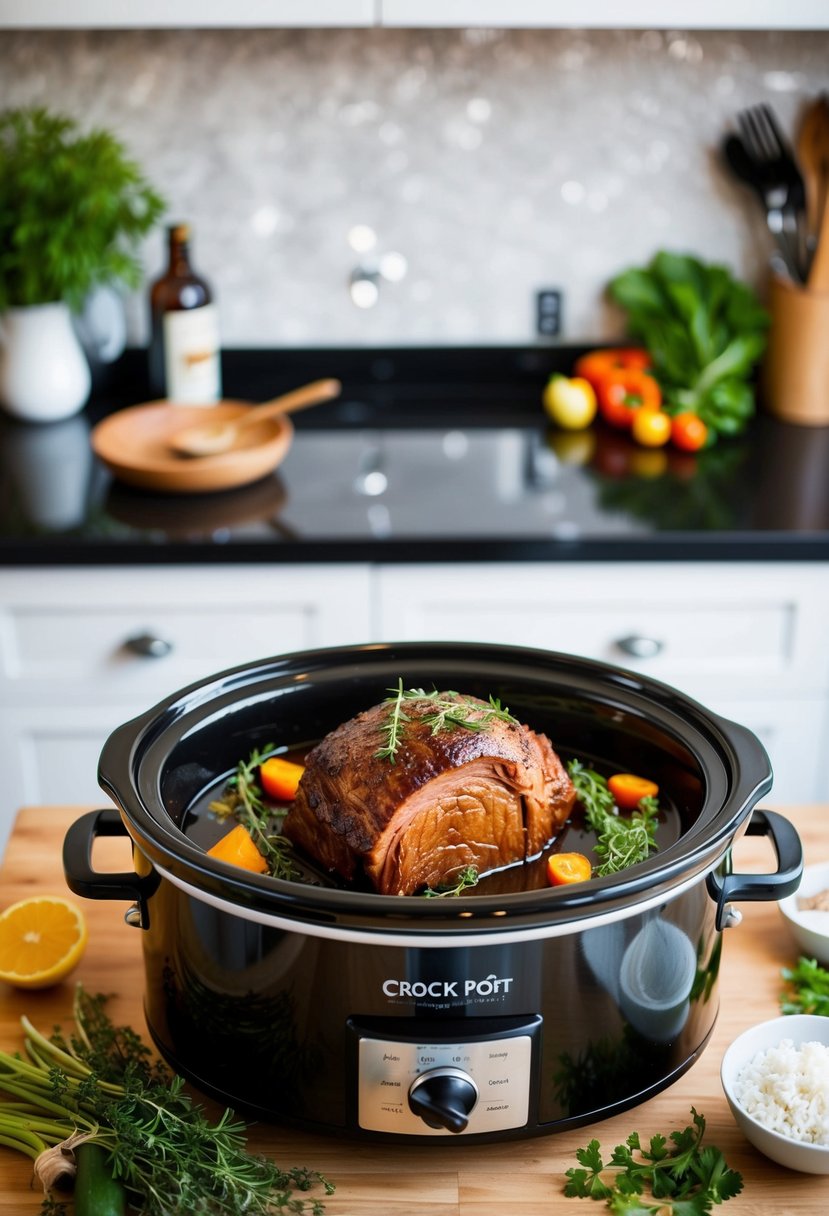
(213, 438)
(813, 158)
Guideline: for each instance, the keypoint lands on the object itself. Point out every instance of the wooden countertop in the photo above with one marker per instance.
(523, 1178)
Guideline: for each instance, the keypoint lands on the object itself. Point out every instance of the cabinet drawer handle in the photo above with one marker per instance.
(148, 646)
(640, 647)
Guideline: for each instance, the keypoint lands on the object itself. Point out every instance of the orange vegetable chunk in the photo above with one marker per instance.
(565, 868)
(629, 790)
(237, 849)
(279, 778)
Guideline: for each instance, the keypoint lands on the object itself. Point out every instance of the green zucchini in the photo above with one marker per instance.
(97, 1193)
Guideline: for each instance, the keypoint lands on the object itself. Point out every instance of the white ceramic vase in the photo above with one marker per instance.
(44, 373)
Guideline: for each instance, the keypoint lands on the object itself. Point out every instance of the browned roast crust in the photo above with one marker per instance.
(407, 823)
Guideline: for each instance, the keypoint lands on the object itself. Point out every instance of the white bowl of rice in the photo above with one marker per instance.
(776, 1079)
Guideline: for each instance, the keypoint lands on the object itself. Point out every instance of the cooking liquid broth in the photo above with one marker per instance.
(205, 828)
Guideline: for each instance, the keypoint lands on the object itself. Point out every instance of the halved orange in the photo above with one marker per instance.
(42, 939)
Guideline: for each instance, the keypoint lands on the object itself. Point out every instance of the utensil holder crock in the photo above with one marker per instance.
(796, 365)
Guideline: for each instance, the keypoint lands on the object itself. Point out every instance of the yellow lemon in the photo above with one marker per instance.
(42, 939)
(571, 403)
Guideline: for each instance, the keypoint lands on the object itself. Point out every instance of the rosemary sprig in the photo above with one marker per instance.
(448, 710)
(243, 800)
(620, 842)
(468, 877)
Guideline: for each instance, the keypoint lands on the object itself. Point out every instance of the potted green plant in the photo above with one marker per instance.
(73, 207)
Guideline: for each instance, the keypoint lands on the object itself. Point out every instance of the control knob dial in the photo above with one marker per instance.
(444, 1097)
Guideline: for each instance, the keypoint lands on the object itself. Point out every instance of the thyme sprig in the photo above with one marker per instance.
(243, 800)
(468, 877)
(449, 710)
(620, 841)
(170, 1158)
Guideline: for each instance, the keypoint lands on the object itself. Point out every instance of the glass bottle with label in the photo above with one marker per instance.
(184, 341)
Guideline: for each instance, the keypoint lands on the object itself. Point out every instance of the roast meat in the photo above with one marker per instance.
(459, 797)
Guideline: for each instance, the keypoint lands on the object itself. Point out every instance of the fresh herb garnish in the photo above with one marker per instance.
(170, 1158)
(671, 1176)
(448, 710)
(243, 800)
(592, 790)
(467, 878)
(809, 988)
(620, 841)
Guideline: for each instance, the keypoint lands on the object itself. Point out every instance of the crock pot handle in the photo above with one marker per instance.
(92, 884)
(770, 887)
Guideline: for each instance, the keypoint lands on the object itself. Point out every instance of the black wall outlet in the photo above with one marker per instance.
(548, 303)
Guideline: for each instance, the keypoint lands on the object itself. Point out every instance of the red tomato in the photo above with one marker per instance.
(564, 868)
(623, 392)
(629, 790)
(688, 432)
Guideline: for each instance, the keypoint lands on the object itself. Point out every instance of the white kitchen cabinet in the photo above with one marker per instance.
(185, 14)
(430, 14)
(608, 14)
(748, 640)
(83, 650)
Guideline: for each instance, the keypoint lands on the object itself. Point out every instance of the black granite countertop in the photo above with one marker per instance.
(428, 455)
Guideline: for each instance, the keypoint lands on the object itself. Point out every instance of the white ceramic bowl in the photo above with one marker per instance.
(799, 1028)
(809, 929)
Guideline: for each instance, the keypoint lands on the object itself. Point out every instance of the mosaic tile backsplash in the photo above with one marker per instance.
(418, 187)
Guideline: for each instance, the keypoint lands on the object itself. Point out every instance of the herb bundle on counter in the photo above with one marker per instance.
(97, 1097)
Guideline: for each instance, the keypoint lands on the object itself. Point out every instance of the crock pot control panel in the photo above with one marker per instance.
(418, 1078)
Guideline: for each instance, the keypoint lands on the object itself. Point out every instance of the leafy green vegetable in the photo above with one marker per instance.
(705, 332)
(243, 800)
(620, 842)
(808, 988)
(672, 1176)
(171, 1159)
(449, 709)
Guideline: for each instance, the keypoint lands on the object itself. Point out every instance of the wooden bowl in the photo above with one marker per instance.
(134, 445)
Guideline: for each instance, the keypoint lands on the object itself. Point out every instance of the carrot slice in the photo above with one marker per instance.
(237, 849)
(629, 790)
(564, 868)
(279, 778)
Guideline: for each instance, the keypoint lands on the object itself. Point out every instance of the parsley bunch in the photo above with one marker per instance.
(673, 1176)
(808, 988)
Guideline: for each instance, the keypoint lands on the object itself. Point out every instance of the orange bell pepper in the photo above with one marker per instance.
(598, 364)
(237, 849)
(565, 868)
(621, 393)
(628, 790)
(279, 778)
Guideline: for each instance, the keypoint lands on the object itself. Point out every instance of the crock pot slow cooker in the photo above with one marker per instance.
(494, 1014)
